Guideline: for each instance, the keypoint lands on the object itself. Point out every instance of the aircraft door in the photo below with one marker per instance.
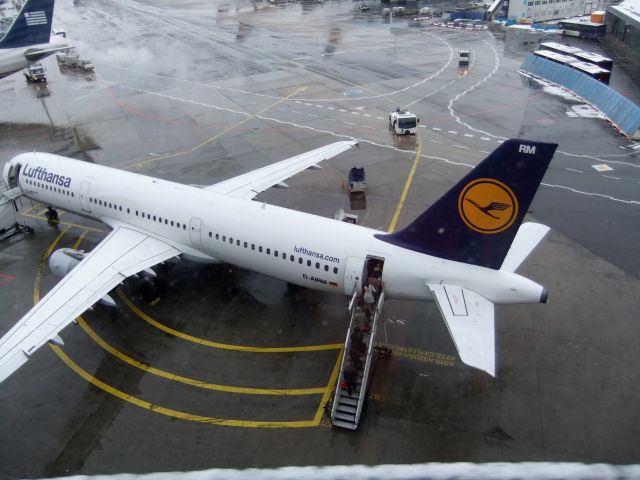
(84, 197)
(13, 176)
(194, 228)
(353, 274)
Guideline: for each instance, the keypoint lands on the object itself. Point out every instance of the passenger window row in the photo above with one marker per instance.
(51, 188)
(269, 251)
(238, 243)
(148, 216)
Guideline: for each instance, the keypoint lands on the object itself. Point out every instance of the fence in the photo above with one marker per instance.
(619, 110)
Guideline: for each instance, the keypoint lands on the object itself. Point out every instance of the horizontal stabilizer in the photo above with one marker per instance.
(35, 54)
(470, 320)
(528, 237)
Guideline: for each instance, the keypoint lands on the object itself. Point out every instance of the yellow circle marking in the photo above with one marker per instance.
(168, 411)
(223, 346)
(487, 206)
(175, 413)
(191, 381)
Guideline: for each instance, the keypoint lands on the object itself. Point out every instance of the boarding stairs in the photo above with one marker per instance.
(8, 198)
(8, 195)
(347, 409)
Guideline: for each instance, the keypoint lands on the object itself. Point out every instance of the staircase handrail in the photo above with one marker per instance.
(367, 367)
(347, 342)
(354, 298)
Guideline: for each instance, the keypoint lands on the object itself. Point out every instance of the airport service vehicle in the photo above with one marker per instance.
(589, 69)
(463, 57)
(73, 60)
(589, 57)
(35, 73)
(357, 180)
(461, 252)
(27, 40)
(403, 122)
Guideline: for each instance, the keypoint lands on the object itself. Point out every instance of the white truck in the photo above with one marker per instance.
(73, 60)
(35, 73)
(403, 122)
(463, 57)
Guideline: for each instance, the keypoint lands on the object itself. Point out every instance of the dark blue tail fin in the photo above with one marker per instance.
(32, 26)
(476, 221)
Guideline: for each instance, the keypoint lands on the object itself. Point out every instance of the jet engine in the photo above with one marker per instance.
(63, 260)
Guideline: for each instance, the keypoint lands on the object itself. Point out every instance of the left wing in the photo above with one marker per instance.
(470, 320)
(252, 183)
(124, 252)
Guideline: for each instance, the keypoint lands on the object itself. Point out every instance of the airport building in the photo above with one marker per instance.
(623, 22)
(543, 10)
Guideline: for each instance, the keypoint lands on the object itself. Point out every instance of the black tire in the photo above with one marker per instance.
(148, 289)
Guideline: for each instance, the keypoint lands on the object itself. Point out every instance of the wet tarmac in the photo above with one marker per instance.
(184, 379)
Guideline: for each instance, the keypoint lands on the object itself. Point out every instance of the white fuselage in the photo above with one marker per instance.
(300, 248)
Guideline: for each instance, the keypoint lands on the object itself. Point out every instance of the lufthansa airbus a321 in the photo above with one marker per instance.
(461, 252)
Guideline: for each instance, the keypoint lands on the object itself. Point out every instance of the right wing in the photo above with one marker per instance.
(250, 184)
(470, 320)
(124, 252)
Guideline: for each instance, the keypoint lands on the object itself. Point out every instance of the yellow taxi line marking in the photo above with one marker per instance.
(44, 210)
(405, 190)
(190, 381)
(31, 208)
(224, 346)
(175, 413)
(36, 286)
(147, 405)
(67, 224)
(328, 389)
(80, 239)
(215, 137)
(335, 77)
(154, 302)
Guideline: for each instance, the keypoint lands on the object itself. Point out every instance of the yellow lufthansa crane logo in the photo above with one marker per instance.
(487, 206)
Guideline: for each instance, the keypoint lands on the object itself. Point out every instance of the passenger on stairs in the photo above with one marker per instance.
(375, 278)
(369, 298)
(357, 348)
(350, 376)
(360, 320)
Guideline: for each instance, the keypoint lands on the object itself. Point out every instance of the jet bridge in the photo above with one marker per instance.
(495, 7)
(351, 389)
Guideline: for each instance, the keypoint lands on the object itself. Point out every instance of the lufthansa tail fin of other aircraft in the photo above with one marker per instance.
(476, 221)
(32, 26)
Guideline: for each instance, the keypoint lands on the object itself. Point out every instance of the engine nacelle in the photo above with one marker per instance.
(63, 260)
